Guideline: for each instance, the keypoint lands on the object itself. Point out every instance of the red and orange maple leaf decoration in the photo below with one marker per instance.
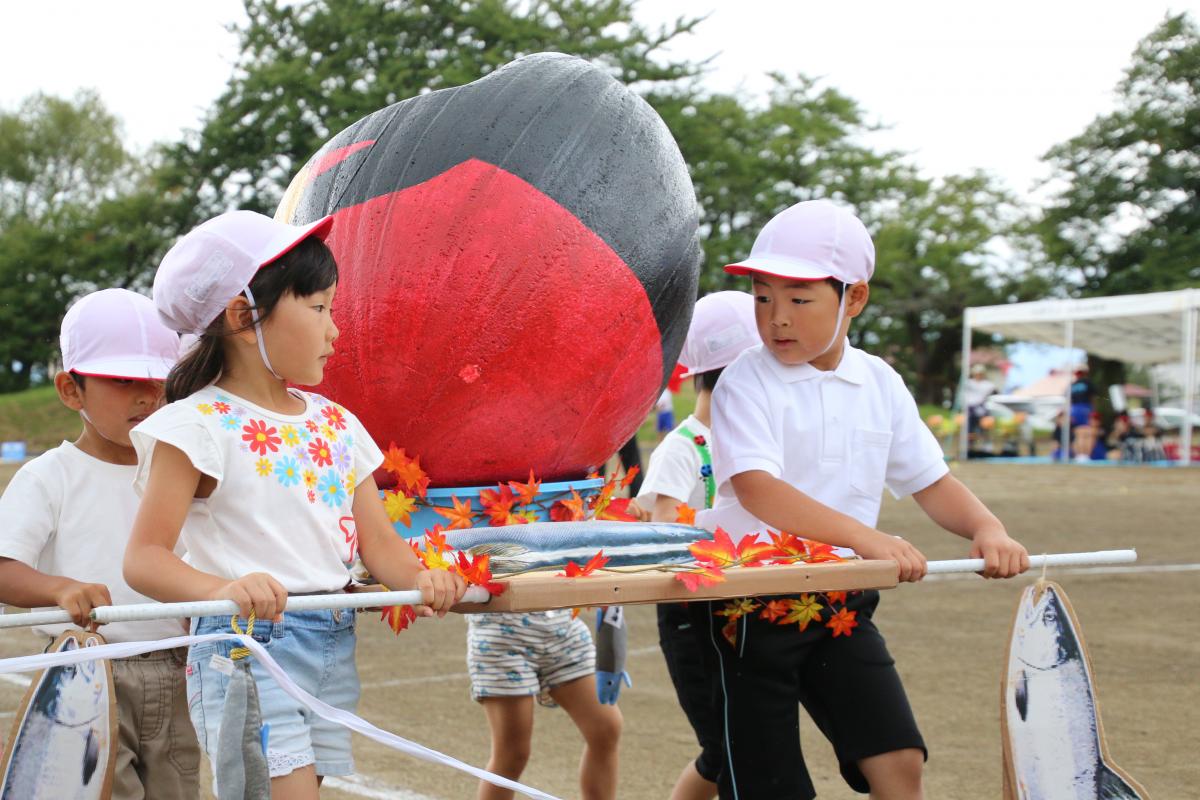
(569, 510)
(526, 492)
(721, 551)
(460, 516)
(498, 505)
(475, 572)
(573, 570)
(407, 471)
(398, 618)
(842, 622)
(703, 574)
(630, 474)
(685, 514)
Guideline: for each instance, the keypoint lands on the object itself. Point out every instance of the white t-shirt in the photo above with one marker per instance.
(70, 514)
(674, 468)
(285, 485)
(839, 436)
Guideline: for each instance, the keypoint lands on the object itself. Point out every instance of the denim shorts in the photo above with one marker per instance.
(316, 650)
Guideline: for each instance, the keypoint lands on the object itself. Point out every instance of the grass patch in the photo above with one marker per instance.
(38, 418)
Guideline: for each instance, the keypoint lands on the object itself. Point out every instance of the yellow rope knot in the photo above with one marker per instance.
(239, 653)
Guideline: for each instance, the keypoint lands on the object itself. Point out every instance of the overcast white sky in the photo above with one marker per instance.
(963, 85)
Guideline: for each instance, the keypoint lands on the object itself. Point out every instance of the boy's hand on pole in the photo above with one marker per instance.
(886, 547)
(257, 592)
(1003, 556)
(78, 599)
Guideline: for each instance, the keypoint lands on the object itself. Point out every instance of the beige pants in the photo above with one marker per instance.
(158, 757)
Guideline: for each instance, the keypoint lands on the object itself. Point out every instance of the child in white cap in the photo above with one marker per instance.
(807, 432)
(269, 487)
(681, 473)
(67, 516)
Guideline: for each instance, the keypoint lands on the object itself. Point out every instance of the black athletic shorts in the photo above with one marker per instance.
(694, 684)
(848, 685)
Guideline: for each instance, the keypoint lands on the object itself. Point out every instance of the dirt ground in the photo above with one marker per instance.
(948, 638)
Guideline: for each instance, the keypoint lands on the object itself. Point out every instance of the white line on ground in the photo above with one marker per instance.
(362, 786)
(16, 680)
(1113, 570)
(448, 676)
(463, 676)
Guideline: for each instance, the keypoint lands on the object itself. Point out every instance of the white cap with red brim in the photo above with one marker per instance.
(116, 333)
(812, 241)
(722, 327)
(215, 262)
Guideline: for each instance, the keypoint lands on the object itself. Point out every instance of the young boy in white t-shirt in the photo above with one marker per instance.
(807, 432)
(67, 516)
(681, 472)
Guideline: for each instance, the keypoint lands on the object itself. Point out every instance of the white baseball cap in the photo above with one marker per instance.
(215, 262)
(812, 241)
(722, 327)
(116, 333)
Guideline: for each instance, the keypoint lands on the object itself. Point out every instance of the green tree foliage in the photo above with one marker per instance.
(76, 214)
(951, 244)
(1127, 218)
(750, 162)
(941, 246)
(307, 70)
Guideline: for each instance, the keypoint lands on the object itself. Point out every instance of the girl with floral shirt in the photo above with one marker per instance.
(268, 487)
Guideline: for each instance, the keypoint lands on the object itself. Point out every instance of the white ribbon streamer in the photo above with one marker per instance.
(320, 708)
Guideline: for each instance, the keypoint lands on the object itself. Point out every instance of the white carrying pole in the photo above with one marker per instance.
(1189, 383)
(1038, 562)
(212, 608)
(1065, 444)
(475, 594)
(964, 443)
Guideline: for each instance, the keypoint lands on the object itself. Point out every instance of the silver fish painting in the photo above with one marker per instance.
(550, 545)
(63, 741)
(1054, 747)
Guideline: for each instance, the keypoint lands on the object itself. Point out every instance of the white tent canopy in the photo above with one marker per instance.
(1152, 328)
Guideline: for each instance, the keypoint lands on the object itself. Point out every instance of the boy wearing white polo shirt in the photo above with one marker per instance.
(807, 432)
(67, 517)
(680, 472)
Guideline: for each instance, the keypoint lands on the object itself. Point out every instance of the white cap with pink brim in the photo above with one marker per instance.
(215, 262)
(812, 241)
(116, 333)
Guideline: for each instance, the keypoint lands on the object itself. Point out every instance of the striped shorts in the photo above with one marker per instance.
(521, 654)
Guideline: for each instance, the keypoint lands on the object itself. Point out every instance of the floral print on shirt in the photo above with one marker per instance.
(314, 457)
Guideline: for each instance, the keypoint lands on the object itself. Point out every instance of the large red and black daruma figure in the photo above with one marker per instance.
(518, 258)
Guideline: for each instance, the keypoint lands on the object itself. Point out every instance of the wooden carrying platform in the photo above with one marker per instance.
(542, 591)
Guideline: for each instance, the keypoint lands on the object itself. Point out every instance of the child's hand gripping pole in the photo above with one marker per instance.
(611, 647)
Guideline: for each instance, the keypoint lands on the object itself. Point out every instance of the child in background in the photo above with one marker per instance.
(67, 516)
(260, 480)
(548, 655)
(681, 472)
(664, 416)
(807, 432)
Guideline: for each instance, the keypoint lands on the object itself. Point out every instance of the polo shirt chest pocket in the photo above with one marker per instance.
(868, 461)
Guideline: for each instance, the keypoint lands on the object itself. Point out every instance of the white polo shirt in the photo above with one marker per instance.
(839, 436)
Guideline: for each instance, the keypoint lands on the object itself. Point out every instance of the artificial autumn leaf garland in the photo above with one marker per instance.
(516, 503)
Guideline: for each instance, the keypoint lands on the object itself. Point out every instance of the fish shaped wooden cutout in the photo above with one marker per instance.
(1054, 745)
(63, 743)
